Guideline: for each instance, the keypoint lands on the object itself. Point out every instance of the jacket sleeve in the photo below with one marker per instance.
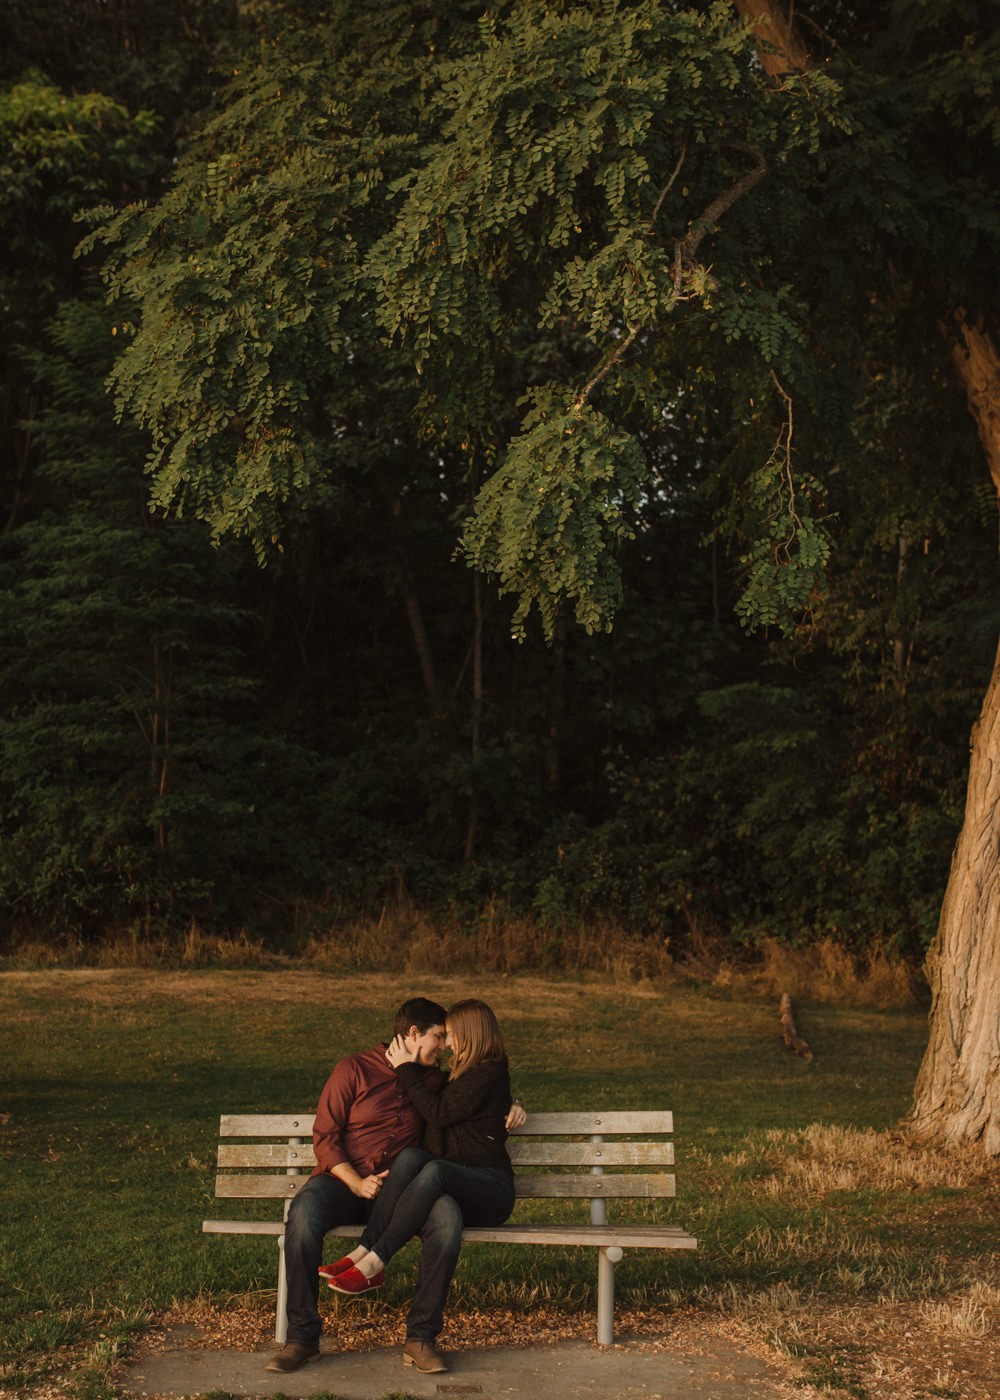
(332, 1114)
(459, 1100)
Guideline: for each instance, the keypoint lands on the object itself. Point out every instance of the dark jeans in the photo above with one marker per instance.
(414, 1186)
(323, 1204)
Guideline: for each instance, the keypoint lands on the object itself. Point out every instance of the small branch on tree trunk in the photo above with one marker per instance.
(781, 48)
(789, 1030)
(978, 364)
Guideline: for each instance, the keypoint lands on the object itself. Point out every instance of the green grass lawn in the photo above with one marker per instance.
(114, 1082)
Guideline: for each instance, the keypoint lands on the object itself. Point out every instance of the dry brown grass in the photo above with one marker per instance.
(824, 971)
(406, 941)
(827, 971)
(880, 1348)
(134, 949)
(811, 1162)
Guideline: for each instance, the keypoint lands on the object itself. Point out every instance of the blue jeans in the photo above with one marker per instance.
(414, 1186)
(323, 1204)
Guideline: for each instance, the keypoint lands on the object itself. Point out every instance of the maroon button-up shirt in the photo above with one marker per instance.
(364, 1117)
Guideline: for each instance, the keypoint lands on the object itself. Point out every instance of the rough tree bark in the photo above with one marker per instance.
(958, 1088)
(782, 47)
(957, 1095)
(977, 365)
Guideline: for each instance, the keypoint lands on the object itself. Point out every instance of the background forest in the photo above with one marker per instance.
(285, 738)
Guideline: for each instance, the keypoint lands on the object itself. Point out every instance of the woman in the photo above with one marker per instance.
(463, 1154)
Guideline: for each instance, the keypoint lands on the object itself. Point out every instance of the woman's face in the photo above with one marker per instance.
(450, 1043)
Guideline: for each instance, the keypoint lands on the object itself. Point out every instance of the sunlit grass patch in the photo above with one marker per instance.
(972, 1313)
(826, 1157)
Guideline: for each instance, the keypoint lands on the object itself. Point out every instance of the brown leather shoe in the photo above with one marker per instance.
(424, 1355)
(291, 1356)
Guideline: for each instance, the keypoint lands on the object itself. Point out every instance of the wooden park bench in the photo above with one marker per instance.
(586, 1157)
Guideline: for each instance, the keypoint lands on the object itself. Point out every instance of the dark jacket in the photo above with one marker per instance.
(465, 1120)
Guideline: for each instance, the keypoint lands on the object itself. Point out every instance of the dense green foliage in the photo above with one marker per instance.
(570, 293)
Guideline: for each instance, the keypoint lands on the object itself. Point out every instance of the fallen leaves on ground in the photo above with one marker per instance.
(874, 1351)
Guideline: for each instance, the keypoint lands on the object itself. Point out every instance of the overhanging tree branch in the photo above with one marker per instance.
(688, 247)
(685, 250)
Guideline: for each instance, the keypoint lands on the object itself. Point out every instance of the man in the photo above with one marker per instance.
(364, 1120)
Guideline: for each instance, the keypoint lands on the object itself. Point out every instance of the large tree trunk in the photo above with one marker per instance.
(958, 1088)
(957, 1095)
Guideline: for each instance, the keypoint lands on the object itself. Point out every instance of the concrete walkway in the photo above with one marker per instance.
(553, 1371)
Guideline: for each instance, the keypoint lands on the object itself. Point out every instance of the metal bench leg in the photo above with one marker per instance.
(607, 1258)
(281, 1313)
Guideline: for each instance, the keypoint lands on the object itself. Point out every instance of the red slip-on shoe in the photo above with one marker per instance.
(330, 1271)
(353, 1283)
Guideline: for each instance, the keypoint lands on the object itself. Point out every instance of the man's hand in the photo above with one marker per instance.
(515, 1115)
(398, 1053)
(368, 1187)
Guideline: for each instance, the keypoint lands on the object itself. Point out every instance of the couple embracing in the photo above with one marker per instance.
(403, 1148)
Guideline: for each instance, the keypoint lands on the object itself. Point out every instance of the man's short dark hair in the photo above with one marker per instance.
(419, 1012)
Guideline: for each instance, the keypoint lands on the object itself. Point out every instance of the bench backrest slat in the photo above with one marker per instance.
(287, 1125)
(645, 1121)
(266, 1154)
(526, 1152)
(610, 1186)
(269, 1125)
(649, 1122)
(252, 1188)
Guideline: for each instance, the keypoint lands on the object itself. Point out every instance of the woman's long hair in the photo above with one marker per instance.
(475, 1036)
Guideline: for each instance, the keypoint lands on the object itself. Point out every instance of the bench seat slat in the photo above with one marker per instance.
(245, 1227)
(625, 1236)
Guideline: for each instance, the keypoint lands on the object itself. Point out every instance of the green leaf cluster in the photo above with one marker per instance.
(550, 172)
(547, 522)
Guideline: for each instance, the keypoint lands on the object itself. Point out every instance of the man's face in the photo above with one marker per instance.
(428, 1044)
